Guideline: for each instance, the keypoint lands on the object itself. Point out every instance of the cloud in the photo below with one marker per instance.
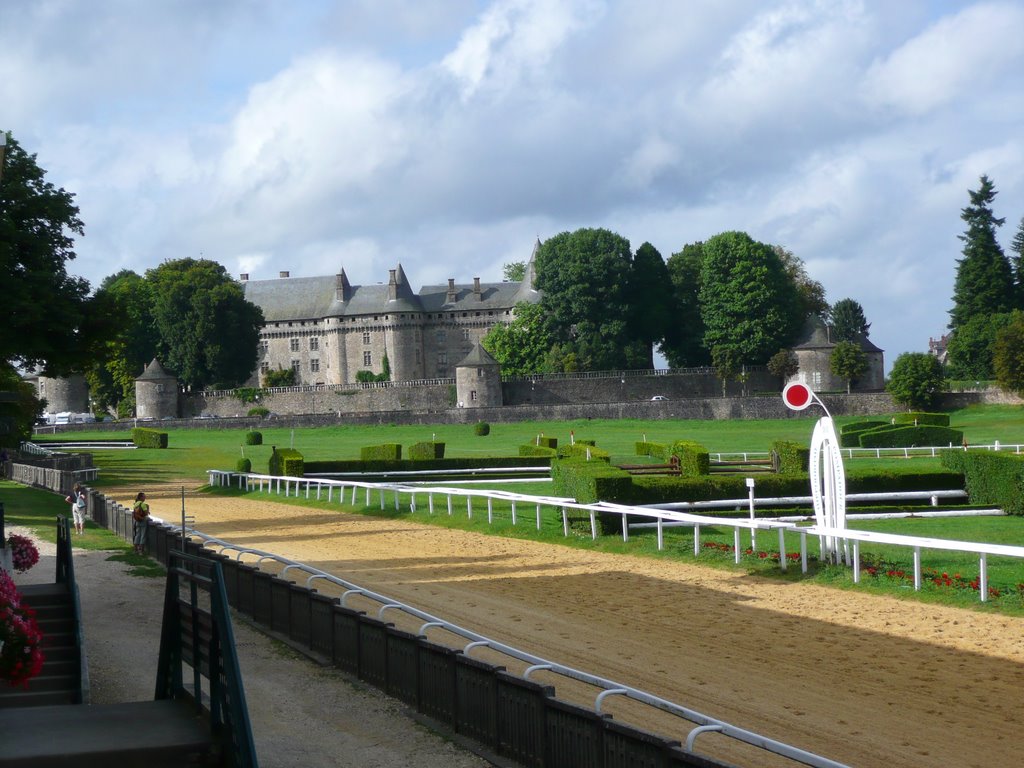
(953, 57)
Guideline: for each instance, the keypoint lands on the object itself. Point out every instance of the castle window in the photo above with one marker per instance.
(314, 343)
(442, 359)
(367, 359)
(295, 365)
(366, 337)
(314, 365)
(442, 337)
(264, 368)
(465, 334)
(479, 373)
(264, 346)
(472, 395)
(294, 345)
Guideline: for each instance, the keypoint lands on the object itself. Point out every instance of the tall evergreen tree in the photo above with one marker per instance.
(649, 298)
(848, 321)
(984, 278)
(1017, 246)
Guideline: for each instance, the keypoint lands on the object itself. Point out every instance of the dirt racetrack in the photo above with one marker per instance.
(862, 679)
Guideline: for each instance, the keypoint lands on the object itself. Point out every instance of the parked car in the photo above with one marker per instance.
(658, 397)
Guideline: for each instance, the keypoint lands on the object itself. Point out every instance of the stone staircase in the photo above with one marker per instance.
(60, 681)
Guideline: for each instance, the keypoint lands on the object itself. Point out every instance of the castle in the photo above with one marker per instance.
(328, 330)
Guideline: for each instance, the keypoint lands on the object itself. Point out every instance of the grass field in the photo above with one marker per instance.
(192, 452)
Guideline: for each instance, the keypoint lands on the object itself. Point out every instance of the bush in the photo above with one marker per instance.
(243, 465)
(693, 458)
(849, 434)
(254, 438)
(149, 438)
(793, 457)
(475, 462)
(286, 462)
(642, 449)
(905, 437)
(545, 442)
(990, 478)
(385, 452)
(919, 418)
(481, 428)
(260, 411)
(589, 482)
(536, 450)
(581, 450)
(279, 378)
(426, 450)
(657, 451)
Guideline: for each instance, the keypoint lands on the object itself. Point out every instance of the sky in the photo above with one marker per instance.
(449, 135)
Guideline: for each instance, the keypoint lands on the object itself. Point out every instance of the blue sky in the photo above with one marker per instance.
(448, 135)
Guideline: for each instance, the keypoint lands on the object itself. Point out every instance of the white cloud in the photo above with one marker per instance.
(952, 57)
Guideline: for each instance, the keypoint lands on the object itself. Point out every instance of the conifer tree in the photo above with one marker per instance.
(984, 278)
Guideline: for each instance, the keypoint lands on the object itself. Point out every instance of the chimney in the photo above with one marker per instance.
(450, 299)
(392, 285)
(283, 274)
(342, 288)
(476, 289)
(244, 276)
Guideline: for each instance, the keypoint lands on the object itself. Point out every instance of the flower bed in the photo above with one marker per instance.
(21, 658)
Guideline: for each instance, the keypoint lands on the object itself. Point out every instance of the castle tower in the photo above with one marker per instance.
(69, 393)
(478, 380)
(156, 393)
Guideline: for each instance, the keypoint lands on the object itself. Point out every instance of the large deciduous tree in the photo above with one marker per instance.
(1008, 354)
(649, 297)
(915, 380)
(984, 277)
(848, 321)
(46, 310)
(811, 292)
(208, 332)
(584, 277)
(848, 361)
(971, 348)
(748, 301)
(683, 343)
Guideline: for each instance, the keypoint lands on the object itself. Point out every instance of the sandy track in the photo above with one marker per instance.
(863, 679)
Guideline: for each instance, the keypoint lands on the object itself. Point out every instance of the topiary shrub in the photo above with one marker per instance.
(259, 411)
(481, 428)
(546, 442)
(243, 465)
(793, 457)
(908, 436)
(426, 451)
(693, 458)
(149, 438)
(990, 478)
(589, 482)
(643, 449)
(536, 450)
(286, 462)
(849, 434)
(385, 452)
(254, 438)
(583, 450)
(920, 418)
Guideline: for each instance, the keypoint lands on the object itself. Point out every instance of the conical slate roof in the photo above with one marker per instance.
(476, 358)
(154, 371)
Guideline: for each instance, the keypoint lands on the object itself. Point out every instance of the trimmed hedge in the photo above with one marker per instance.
(580, 450)
(589, 482)
(922, 419)
(643, 449)
(793, 457)
(545, 442)
(657, 451)
(907, 436)
(149, 438)
(243, 465)
(693, 458)
(384, 452)
(475, 462)
(260, 411)
(254, 438)
(990, 478)
(287, 462)
(481, 428)
(849, 434)
(534, 450)
(426, 450)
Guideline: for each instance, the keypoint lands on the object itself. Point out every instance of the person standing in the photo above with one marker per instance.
(77, 501)
(140, 523)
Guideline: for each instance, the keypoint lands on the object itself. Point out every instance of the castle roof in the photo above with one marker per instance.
(817, 334)
(153, 372)
(477, 357)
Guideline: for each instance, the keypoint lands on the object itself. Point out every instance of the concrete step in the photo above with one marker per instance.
(19, 698)
(38, 595)
(146, 734)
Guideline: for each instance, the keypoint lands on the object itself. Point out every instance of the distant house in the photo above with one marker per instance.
(814, 354)
(940, 347)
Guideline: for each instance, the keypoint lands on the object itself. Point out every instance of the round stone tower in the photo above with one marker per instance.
(69, 393)
(156, 393)
(478, 380)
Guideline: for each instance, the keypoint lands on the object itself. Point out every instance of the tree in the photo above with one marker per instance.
(783, 364)
(748, 302)
(971, 347)
(1017, 246)
(727, 365)
(514, 271)
(584, 276)
(282, 377)
(915, 380)
(45, 308)
(209, 333)
(811, 292)
(848, 361)
(984, 278)
(1008, 355)
(683, 342)
(522, 346)
(19, 407)
(649, 298)
(848, 321)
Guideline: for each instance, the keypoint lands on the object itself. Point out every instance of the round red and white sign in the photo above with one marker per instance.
(797, 396)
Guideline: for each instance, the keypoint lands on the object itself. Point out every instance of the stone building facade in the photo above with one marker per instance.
(64, 394)
(328, 330)
(156, 393)
(478, 380)
(814, 355)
